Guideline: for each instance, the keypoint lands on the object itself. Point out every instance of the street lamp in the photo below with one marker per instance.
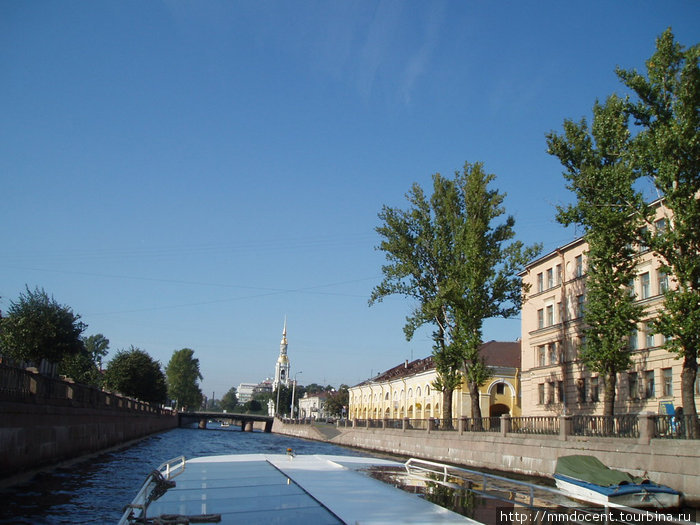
(294, 387)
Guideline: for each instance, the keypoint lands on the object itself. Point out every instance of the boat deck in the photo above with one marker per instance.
(277, 488)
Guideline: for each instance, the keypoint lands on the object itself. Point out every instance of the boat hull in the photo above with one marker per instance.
(630, 495)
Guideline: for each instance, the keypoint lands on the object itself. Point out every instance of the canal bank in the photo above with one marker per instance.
(671, 462)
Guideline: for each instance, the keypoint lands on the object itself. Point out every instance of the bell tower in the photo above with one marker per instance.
(282, 366)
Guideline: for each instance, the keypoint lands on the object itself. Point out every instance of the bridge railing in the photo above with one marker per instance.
(29, 386)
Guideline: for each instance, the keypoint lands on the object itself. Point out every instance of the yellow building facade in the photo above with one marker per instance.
(406, 390)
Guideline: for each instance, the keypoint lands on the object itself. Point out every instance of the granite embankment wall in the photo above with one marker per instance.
(45, 421)
(668, 461)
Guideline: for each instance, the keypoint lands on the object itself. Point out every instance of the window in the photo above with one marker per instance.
(560, 391)
(663, 282)
(540, 282)
(560, 312)
(634, 343)
(667, 374)
(660, 226)
(649, 335)
(427, 390)
(557, 275)
(417, 391)
(594, 389)
(540, 356)
(579, 265)
(550, 278)
(633, 385)
(540, 393)
(500, 389)
(550, 392)
(540, 318)
(580, 303)
(552, 350)
(410, 392)
(581, 390)
(643, 234)
(646, 288)
(649, 390)
(550, 315)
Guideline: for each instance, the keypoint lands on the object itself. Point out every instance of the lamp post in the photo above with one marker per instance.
(294, 387)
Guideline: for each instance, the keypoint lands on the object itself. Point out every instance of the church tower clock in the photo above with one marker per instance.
(282, 366)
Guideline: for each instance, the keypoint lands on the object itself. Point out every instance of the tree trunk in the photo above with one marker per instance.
(609, 403)
(447, 408)
(476, 407)
(688, 376)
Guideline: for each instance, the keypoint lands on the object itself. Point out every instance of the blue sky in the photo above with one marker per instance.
(187, 174)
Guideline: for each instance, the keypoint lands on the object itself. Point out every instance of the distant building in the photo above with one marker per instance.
(313, 406)
(282, 366)
(245, 392)
(406, 391)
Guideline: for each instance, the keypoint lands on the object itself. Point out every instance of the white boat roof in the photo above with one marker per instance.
(278, 488)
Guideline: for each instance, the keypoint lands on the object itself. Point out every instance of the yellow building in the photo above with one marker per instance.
(554, 380)
(406, 390)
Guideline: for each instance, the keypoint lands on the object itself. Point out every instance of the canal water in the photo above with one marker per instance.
(95, 491)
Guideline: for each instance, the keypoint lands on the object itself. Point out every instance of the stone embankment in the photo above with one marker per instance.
(44, 421)
(668, 461)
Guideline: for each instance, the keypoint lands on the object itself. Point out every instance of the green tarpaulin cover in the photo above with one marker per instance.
(590, 469)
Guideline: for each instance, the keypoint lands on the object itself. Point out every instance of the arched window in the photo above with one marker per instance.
(386, 397)
(410, 393)
(427, 390)
(417, 391)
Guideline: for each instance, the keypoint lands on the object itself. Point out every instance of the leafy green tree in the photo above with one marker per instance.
(37, 327)
(182, 376)
(284, 395)
(97, 347)
(229, 400)
(136, 374)
(86, 366)
(338, 401)
(253, 406)
(668, 152)
(446, 254)
(600, 174)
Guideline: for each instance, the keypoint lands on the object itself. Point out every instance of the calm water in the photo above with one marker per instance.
(95, 491)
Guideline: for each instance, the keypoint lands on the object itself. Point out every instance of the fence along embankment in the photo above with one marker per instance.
(46, 420)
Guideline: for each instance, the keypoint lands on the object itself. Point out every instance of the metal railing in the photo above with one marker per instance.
(540, 425)
(624, 425)
(676, 427)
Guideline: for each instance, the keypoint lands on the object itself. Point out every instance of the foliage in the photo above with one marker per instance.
(86, 366)
(134, 373)
(182, 376)
(445, 253)
(337, 402)
(97, 347)
(37, 327)
(229, 400)
(252, 406)
(668, 152)
(599, 173)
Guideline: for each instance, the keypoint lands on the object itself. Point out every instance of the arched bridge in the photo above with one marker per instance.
(245, 421)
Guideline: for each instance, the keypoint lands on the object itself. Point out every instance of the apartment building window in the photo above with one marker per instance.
(579, 265)
(580, 303)
(560, 391)
(633, 384)
(643, 233)
(646, 286)
(540, 282)
(660, 226)
(560, 313)
(557, 275)
(540, 393)
(550, 315)
(541, 356)
(500, 389)
(667, 375)
(581, 390)
(649, 390)
(540, 318)
(649, 335)
(663, 282)
(550, 392)
(552, 350)
(633, 343)
(594, 389)
(550, 278)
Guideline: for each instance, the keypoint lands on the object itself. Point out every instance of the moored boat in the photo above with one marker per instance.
(278, 488)
(586, 478)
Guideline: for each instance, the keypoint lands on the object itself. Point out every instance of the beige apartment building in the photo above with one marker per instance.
(554, 380)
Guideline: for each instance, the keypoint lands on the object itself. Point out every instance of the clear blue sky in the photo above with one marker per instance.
(187, 174)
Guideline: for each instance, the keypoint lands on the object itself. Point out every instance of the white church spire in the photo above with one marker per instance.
(282, 366)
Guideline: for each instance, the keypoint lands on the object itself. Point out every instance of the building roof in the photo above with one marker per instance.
(495, 353)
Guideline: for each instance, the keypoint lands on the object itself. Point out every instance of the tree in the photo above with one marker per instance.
(668, 152)
(97, 347)
(136, 374)
(230, 400)
(338, 401)
(182, 376)
(37, 327)
(446, 253)
(85, 366)
(599, 172)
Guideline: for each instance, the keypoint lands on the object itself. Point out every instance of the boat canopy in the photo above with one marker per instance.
(592, 470)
